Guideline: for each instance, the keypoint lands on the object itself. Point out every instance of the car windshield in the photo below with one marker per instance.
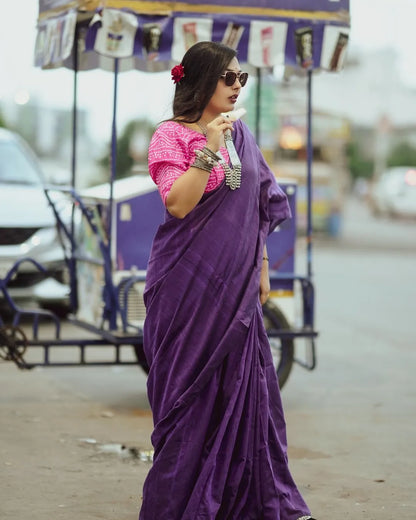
(15, 166)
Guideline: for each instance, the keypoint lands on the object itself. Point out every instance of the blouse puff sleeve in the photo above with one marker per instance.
(171, 153)
(169, 156)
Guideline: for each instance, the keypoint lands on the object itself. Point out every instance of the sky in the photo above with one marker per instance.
(375, 24)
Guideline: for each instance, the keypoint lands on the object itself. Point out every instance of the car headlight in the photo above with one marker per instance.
(43, 237)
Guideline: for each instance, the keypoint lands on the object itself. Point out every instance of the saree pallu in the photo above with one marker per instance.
(219, 431)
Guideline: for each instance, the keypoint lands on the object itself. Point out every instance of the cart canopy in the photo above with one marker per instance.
(152, 35)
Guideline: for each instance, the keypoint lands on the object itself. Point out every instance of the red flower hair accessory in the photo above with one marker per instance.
(177, 73)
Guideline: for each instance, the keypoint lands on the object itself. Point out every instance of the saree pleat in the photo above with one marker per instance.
(219, 430)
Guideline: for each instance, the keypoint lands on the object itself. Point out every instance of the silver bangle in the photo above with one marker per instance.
(210, 153)
(200, 154)
(202, 165)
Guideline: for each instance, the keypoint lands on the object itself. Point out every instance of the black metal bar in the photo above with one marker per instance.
(291, 333)
(86, 342)
(312, 363)
(74, 109)
(113, 159)
(107, 336)
(75, 364)
(112, 309)
(71, 262)
(309, 177)
(29, 366)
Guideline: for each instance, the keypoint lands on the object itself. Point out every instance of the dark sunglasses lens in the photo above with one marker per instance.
(243, 78)
(230, 78)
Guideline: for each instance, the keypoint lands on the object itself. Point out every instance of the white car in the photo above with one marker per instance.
(28, 228)
(394, 193)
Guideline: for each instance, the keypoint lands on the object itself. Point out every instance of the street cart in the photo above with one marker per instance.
(106, 267)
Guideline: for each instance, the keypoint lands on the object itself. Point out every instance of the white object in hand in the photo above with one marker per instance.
(235, 114)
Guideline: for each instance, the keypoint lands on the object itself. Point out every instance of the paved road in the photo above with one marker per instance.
(362, 231)
(357, 408)
(351, 424)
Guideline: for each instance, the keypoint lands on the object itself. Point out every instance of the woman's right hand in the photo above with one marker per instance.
(215, 132)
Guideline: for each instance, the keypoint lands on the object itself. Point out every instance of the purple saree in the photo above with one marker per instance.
(219, 430)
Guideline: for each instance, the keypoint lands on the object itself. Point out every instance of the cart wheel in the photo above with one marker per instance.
(13, 344)
(141, 358)
(282, 349)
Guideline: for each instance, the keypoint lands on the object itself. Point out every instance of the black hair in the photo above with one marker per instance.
(203, 64)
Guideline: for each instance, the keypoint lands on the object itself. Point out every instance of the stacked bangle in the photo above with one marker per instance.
(207, 151)
(205, 159)
(266, 258)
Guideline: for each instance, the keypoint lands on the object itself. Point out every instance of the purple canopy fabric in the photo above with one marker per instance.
(219, 430)
(152, 35)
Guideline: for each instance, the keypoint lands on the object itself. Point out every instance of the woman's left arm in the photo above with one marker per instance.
(264, 278)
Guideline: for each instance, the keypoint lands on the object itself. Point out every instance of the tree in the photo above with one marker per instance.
(2, 121)
(402, 155)
(359, 166)
(131, 147)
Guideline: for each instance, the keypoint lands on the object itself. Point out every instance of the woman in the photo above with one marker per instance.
(219, 430)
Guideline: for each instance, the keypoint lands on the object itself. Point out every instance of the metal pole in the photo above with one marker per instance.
(309, 177)
(71, 263)
(74, 111)
(258, 108)
(112, 300)
(113, 158)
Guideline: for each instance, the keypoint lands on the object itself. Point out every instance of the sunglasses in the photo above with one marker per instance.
(230, 78)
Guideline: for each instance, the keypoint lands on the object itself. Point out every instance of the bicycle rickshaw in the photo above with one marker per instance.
(106, 267)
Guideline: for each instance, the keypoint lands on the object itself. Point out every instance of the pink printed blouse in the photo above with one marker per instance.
(172, 152)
